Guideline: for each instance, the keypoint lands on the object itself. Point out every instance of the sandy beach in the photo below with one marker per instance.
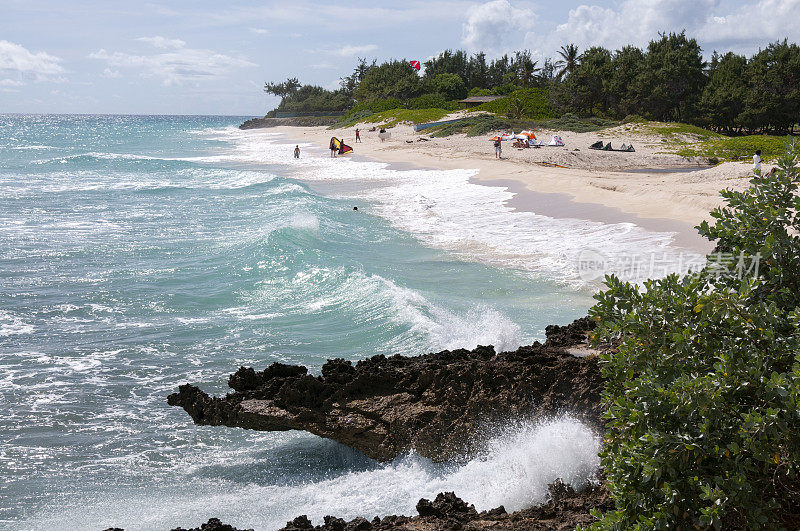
(650, 186)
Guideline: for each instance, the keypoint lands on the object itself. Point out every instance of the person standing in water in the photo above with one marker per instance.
(297, 152)
(757, 160)
(358, 135)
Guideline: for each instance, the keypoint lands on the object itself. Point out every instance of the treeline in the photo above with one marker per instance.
(667, 81)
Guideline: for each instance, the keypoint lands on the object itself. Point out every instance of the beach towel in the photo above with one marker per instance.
(597, 145)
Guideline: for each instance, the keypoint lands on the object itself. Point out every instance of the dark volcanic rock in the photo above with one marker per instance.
(438, 404)
(565, 510)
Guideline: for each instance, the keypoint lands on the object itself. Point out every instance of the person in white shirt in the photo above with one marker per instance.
(757, 160)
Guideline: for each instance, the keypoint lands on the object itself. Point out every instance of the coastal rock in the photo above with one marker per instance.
(441, 404)
(213, 524)
(565, 510)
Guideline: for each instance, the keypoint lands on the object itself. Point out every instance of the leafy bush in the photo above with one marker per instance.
(634, 118)
(476, 126)
(477, 91)
(385, 105)
(432, 101)
(427, 101)
(703, 389)
(534, 102)
(570, 122)
(450, 86)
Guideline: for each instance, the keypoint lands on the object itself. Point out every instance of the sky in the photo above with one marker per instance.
(211, 57)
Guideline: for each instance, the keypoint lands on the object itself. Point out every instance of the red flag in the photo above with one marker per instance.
(415, 65)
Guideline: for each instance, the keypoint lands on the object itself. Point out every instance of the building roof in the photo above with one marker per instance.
(479, 99)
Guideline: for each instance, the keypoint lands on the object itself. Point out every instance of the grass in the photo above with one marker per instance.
(736, 148)
(476, 126)
(393, 117)
(691, 141)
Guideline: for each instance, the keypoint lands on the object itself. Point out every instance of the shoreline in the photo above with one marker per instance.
(536, 188)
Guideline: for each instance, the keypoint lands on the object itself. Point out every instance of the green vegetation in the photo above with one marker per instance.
(736, 148)
(534, 104)
(476, 126)
(393, 117)
(668, 81)
(703, 387)
(570, 122)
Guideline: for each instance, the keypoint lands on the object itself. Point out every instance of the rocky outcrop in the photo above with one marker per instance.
(565, 510)
(438, 404)
(213, 524)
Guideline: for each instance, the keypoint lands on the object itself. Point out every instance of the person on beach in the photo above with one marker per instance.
(333, 148)
(498, 148)
(757, 160)
(358, 135)
(297, 152)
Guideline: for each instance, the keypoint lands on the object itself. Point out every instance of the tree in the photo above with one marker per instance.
(773, 96)
(478, 72)
(568, 61)
(620, 88)
(284, 88)
(724, 95)
(524, 69)
(703, 385)
(450, 86)
(392, 79)
(672, 78)
(584, 90)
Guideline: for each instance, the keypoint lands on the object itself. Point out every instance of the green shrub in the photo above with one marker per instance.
(427, 101)
(385, 105)
(534, 102)
(475, 91)
(571, 122)
(477, 126)
(634, 119)
(703, 389)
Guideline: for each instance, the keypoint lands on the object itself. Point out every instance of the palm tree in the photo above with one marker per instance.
(568, 62)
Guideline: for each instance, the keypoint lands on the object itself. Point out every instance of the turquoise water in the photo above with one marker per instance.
(138, 253)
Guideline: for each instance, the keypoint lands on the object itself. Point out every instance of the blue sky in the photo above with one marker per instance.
(203, 57)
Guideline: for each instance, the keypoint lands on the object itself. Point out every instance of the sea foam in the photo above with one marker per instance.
(514, 471)
(446, 210)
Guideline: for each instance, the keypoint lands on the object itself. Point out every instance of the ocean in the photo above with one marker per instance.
(138, 253)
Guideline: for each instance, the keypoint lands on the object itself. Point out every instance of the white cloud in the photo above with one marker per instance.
(259, 31)
(639, 21)
(40, 66)
(493, 25)
(752, 26)
(113, 74)
(176, 64)
(163, 43)
(10, 83)
(350, 51)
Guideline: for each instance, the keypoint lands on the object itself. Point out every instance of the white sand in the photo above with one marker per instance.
(590, 176)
